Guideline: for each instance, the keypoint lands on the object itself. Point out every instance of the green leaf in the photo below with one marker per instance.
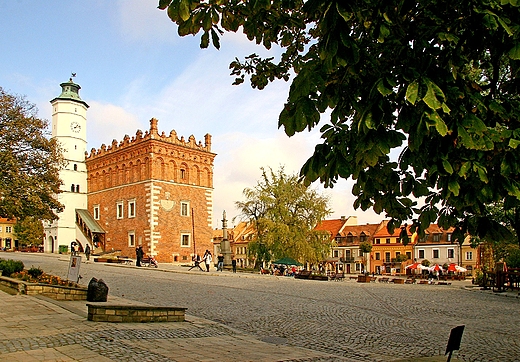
(430, 98)
(465, 138)
(440, 126)
(184, 9)
(383, 33)
(412, 91)
(163, 4)
(482, 174)
(215, 39)
(514, 143)
(207, 23)
(464, 168)
(344, 13)
(514, 53)
(505, 26)
(204, 40)
(454, 187)
(382, 88)
(447, 166)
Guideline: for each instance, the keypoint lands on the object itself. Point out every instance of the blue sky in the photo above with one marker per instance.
(132, 66)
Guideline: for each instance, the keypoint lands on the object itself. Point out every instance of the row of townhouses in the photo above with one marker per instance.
(387, 256)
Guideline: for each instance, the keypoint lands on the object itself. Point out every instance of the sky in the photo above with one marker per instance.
(132, 66)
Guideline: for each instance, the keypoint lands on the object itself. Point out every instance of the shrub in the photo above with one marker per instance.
(35, 272)
(10, 266)
(513, 260)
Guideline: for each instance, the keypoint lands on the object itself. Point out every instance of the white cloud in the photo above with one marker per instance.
(106, 122)
(141, 20)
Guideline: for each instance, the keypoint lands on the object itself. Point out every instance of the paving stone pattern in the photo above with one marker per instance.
(351, 321)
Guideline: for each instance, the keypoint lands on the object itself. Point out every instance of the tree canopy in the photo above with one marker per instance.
(29, 162)
(436, 82)
(29, 231)
(285, 213)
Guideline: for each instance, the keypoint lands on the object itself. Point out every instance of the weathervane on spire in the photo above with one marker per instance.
(73, 75)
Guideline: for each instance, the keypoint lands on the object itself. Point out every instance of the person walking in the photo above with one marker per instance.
(234, 263)
(220, 265)
(207, 259)
(139, 255)
(87, 252)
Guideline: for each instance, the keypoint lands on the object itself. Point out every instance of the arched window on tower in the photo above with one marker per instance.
(72, 188)
(77, 188)
(75, 167)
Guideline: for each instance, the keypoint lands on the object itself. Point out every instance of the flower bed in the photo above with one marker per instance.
(57, 292)
(35, 282)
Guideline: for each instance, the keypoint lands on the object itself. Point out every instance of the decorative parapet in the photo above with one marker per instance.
(153, 134)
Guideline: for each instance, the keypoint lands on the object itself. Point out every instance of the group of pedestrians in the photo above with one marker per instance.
(207, 258)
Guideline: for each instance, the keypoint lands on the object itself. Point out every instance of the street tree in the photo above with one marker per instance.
(29, 162)
(285, 213)
(365, 247)
(423, 96)
(29, 231)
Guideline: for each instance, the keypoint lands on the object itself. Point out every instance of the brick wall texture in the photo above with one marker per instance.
(155, 191)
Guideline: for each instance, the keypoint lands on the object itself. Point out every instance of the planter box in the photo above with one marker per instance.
(363, 279)
(56, 292)
(104, 312)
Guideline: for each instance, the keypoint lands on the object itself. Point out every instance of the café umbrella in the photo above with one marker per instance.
(416, 266)
(287, 261)
(456, 268)
(436, 267)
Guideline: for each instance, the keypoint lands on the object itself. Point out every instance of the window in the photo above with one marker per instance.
(387, 257)
(72, 188)
(362, 237)
(408, 255)
(378, 241)
(435, 253)
(336, 254)
(378, 256)
(469, 255)
(131, 208)
(77, 188)
(437, 237)
(449, 237)
(360, 253)
(421, 253)
(451, 253)
(350, 238)
(185, 240)
(96, 212)
(185, 206)
(0, 229)
(131, 238)
(183, 174)
(119, 210)
(387, 241)
(397, 253)
(8, 229)
(75, 167)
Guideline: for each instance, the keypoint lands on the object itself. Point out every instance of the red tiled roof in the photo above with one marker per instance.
(332, 226)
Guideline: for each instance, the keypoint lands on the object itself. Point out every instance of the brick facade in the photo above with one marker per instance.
(146, 189)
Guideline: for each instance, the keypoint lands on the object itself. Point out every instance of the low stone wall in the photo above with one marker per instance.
(134, 313)
(57, 292)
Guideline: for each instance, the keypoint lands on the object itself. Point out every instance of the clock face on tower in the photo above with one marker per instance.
(75, 127)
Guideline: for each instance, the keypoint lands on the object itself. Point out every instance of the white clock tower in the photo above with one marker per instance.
(69, 123)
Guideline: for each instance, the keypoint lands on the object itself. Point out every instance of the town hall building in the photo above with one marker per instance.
(153, 190)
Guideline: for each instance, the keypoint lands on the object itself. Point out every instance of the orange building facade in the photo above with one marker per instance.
(155, 191)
